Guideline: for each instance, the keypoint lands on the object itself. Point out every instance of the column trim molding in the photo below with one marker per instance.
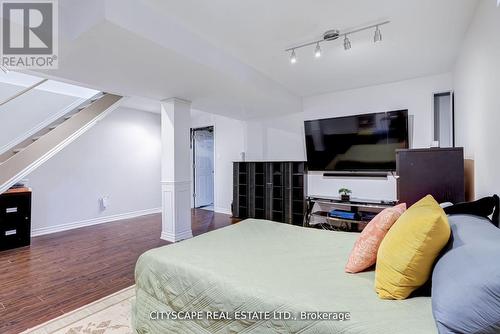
(171, 237)
(176, 99)
(175, 183)
(176, 217)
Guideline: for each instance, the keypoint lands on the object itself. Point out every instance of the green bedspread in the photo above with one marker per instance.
(258, 266)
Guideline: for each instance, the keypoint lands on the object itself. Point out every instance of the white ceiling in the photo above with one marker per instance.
(227, 56)
(423, 38)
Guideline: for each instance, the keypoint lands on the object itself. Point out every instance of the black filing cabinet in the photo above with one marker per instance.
(15, 220)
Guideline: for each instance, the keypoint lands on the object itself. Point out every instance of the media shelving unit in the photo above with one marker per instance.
(272, 190)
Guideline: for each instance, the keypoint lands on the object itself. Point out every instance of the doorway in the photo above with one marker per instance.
(202, 142)
(444, 119)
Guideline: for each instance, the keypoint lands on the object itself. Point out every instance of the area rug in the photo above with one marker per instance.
(110, 315)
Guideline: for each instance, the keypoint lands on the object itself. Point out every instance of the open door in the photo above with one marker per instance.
(203, 167)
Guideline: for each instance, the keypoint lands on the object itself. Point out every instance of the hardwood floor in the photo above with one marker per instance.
(64, 271)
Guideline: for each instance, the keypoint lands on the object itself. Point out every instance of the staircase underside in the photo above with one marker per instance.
(22, 160)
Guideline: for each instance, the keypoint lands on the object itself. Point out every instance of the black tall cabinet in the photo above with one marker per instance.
(270, 190)
(435, 171)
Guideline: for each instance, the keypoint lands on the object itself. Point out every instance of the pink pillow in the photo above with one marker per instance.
(364, 253)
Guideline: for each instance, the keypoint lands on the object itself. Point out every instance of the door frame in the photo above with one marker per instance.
(451, 93)
(193, 157)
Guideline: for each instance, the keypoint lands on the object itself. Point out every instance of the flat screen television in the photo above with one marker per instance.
(360, 143)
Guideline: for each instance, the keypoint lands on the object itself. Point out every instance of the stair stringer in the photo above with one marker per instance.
(25, 162)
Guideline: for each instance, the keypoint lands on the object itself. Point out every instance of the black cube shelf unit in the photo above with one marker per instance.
(270, 190)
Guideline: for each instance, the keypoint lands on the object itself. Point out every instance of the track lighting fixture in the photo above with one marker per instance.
(332, 35)
(293, 57)
(317, 52)
(378, 35)
(347, 43)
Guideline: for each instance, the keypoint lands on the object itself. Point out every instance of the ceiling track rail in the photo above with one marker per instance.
(338, 34)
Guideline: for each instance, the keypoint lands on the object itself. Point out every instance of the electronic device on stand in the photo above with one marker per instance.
(332, 213)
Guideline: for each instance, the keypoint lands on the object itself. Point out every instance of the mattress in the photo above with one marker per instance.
(263, 277)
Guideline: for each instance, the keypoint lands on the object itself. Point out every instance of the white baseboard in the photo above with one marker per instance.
(176, 237)
(223, 210)
(94, 221)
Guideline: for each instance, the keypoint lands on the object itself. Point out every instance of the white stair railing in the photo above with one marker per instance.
(38, 150)
(24, 91)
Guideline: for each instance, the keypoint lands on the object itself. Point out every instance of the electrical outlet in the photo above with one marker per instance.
(104, 202)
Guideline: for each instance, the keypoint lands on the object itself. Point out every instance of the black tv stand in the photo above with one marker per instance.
(356, 174)
(320, 219)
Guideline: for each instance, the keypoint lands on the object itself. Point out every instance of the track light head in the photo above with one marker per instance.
(378, 35)
(293, 57)
(317, 52)
(347, 43)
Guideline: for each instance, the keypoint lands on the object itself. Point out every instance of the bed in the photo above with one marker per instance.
(259, 266)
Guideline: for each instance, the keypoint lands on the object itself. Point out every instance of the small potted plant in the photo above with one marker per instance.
(345, 194)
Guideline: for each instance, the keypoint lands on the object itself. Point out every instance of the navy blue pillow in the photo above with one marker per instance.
(466, 279)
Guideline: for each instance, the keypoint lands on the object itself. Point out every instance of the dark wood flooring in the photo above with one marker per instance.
(63, 271)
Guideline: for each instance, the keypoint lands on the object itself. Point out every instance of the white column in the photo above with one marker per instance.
(176, 170)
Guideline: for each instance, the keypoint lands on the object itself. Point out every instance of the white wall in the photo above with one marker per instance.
(416, 95)
(28, 111)
(35, 109)
(477, 97)
(282, 138)
(229, 143)
(276, 138)
(119, 157)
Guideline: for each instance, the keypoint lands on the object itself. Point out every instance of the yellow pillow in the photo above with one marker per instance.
(408, 251)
